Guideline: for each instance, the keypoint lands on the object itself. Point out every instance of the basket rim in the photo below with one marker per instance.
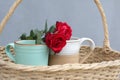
(64, 67)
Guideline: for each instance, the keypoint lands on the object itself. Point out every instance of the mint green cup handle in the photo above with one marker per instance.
(8, 52)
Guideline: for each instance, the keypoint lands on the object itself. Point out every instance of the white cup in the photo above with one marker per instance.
(73, 46)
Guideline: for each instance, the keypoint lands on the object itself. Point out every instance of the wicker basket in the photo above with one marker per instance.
(102, 64)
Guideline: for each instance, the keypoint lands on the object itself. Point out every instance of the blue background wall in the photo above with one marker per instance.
(82, 15)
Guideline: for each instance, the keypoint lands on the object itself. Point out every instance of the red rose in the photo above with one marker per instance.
(55, 41)
(63, 28)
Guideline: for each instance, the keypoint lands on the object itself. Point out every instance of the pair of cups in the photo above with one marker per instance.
(28, 53)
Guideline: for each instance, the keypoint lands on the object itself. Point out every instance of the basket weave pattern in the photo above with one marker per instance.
(102, 64)
(97, 67)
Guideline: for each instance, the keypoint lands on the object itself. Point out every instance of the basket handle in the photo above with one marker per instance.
(9, 14)
(106, 43)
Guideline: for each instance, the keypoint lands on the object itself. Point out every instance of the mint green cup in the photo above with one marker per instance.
(28, 53)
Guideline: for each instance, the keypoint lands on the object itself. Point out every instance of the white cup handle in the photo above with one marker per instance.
(92, 46)
(91, 42)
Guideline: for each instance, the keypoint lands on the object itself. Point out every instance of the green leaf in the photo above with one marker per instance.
(29, 38)
(32, 33)
(36, 35)
(46, 27)
(23, 36)
(39, 37)
(52, 29)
